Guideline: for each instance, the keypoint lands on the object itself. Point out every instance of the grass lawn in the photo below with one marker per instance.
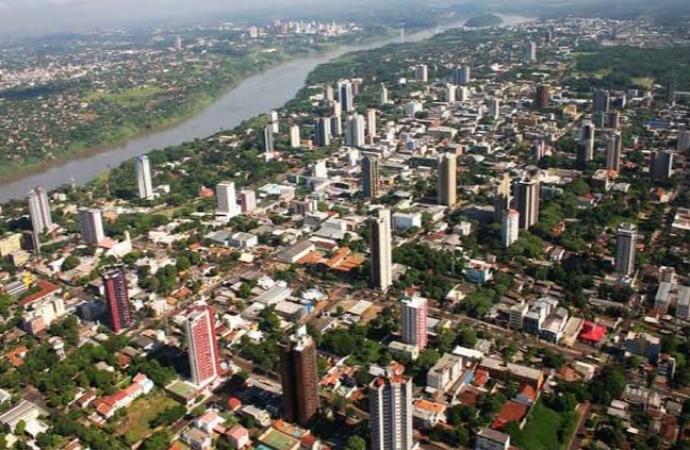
(136, 424)
(646, 82)
(542, 429)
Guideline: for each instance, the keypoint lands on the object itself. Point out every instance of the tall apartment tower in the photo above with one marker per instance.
(414, 321)
(451, 91)
(336, 108)
(269, 144)
(226, 201)
(390, 411)
(299, 377)
(370, 176)
(585, 145)
(247, 201)
(383, 100)
(322, 132)
(119, 310)
(381, 252)
(354, 131)
(447, 179)
(39, 210)
(144, 183)
(421, 73)
(527, 200)
(295, 141)
(531, 51)
(202, 345)
(614, 150)
(543, 97)
(683, 141)
(601, 101)
(336, 126)
(510, 228)
(91, 225)
(626, 246)
(274, 121)
(463, 75)
(371, 124)
(661, 167)
(502, 198)
(346, 96)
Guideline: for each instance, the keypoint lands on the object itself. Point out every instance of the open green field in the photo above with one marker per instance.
(125, 97)
(135, 426)
(541, 432)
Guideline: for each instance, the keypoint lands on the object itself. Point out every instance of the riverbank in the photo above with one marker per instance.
(193, 106)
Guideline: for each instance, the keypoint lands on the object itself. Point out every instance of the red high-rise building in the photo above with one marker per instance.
(299, 377)
(202, 345)
(119, 310)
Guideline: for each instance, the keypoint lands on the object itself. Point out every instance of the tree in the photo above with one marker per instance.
(20, 428)
(355, 443)
(71, 262)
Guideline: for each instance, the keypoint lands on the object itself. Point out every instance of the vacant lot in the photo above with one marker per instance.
(135, 426)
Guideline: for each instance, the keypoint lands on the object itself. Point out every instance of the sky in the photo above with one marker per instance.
(49, 16)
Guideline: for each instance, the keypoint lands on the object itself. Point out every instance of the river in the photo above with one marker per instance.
(255, 95)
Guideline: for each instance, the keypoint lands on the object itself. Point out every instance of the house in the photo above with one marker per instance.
(260, 416)
(488, 439)
(428, 414)
(238, 436)
(197, 439)
(24, 411)
(208, 421)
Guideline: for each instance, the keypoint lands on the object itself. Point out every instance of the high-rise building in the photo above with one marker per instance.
(661, 167)
(346, 96)
(322, 132)
(91, 225)
(447, 179)
(543, 97)
(463, 75)
(510, 228)
(202, 346)
(670, 92)
(626, 247)
(226, 201)
(39, 210)
(381, 253)
(119, 309)
(527, 200)
(450, 93)
(299, 377)
(502, 198)
(371, 123)
(354, 131)
(601, 101)
(585, 145)
(414, 321)
(613, 120)
(494, 108)
(421, 73)
(390, 411)
(683, 141)
(463, 93)
(614, 150)
(247, 201)
(370, 176)
(295, 140)
(336, 126)
(330, 96)
(269, 145)
(384, 95)
(336, 108)
(144, 183)
(274, 122)
(319, 169)
(599, 119)
(531, 51)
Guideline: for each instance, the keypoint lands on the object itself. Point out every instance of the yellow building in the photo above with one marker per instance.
(10, 243)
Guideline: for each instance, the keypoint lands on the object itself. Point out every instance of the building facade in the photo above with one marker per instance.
(390, 410)
(202, 345)
(299, 377)
(119, 309)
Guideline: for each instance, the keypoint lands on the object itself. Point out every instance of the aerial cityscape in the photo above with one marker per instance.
(457, 227)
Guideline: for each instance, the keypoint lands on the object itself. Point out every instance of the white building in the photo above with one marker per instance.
(510, 229)
(445, 373)
(354, 131)
(381, 252)
(391, 409)
(39, 210)
(488, 439)
(414, 321)
(225, 197)
(295, 140)
(144, 183)
(405, 221)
